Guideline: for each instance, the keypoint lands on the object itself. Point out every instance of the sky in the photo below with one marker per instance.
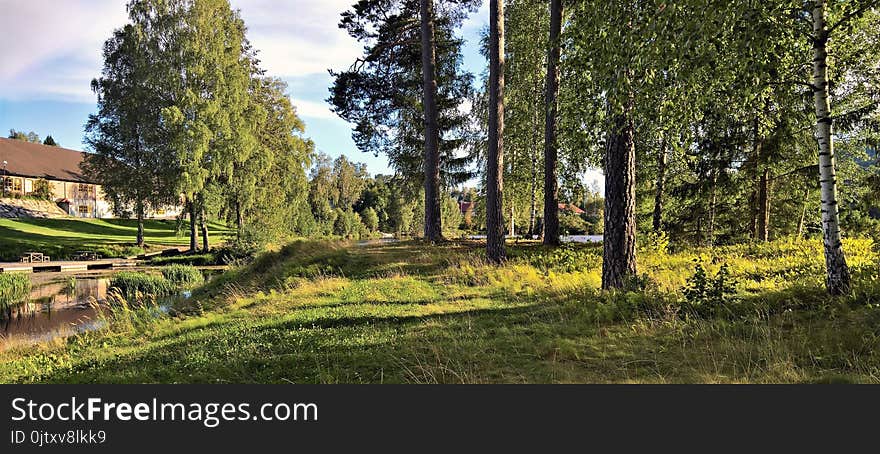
(46, 70)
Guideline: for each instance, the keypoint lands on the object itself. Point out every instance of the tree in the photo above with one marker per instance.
(433, 228)
(404, 94)
(209, 74)
(50, 141)
(370, 219)
(31, 137)
(134, 172)
(837, 272)
(551, 185)
(494, 165)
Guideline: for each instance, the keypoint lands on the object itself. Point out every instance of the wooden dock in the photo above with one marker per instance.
(63, 266)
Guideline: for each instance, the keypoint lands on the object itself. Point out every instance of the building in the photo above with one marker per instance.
(571, 208)
(23, 164)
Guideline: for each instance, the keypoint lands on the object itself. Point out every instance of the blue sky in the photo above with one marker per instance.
(46, 70)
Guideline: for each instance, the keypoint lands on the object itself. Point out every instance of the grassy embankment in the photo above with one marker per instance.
(407, 312)
(61, 238)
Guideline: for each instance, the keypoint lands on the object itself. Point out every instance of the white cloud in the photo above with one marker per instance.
(52, 49)
(309, 109)
(57, 46)
(298, 38)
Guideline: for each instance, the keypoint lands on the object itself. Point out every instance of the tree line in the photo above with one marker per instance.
(32, 137)
(186, 115)
(712, 120)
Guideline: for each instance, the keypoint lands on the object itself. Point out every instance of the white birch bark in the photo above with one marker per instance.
(837, 279)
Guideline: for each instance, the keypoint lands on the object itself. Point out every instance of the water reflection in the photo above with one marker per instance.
(61, 307)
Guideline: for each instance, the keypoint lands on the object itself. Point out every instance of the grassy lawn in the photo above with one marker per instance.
(321, 312)
(60, 238)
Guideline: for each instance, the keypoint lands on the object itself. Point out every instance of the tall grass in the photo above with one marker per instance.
(14, 289)
(183, 276)
(131, 284)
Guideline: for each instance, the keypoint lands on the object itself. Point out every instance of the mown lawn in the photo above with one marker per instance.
(321, 312)
(60, 238)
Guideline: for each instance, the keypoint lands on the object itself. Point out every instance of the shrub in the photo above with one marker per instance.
(567, 258)
(131, 283)
(14, 289)
(42, 189)
(706, 295)
(183, 276)
(194, 260)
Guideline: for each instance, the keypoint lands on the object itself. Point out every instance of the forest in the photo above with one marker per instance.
(738, 217)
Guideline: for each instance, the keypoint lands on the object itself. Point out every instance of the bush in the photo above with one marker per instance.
(183, 276)
(706, 295)
(194, 259)
(370, 219)
(131, 284)
(42, 189)
(567, 258)
(14, 289)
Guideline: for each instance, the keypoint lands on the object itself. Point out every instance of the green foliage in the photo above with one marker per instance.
(450, 215)
(347, 224)
(193, 259)
(31, 137)
(707, 295)
(134, 284)
(370, 219)
(567, 258)
(42, 189)
(14, 289)
(573, 224)
(183, 276)
(406, 313)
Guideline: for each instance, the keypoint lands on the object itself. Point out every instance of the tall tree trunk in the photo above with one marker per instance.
(619, 238)
(433, 227)
(764, 206)
(713, 202)
(203, 222)
(193, 244)
(534, 199)
(661, 181)
(800, 231)
(239, 219)
(140, 223)
(837, 280)
(551, 105)
(495, 165)
(757, 145)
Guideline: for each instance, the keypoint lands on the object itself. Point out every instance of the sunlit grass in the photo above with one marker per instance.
(329, 312)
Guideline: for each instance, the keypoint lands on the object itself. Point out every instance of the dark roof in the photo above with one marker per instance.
(36, 160)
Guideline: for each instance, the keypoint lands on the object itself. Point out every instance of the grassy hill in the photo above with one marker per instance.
(318, 312)
(59, 238)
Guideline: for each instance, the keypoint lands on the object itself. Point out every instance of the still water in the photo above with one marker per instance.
(59, 306)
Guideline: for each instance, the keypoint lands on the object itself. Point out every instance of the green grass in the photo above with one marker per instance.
(61, 238)
(183, 276)
(321, 312)
(132, 284)
(14, 288)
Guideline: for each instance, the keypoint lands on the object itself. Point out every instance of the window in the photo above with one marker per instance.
(83, 209)
(84, 188)
(28, 186)
(16, 184)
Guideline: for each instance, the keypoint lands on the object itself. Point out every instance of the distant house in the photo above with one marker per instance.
(571, 208)
(466, 208)
(22, 164)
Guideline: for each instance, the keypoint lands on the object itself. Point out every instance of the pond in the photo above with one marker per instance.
(60, 305)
